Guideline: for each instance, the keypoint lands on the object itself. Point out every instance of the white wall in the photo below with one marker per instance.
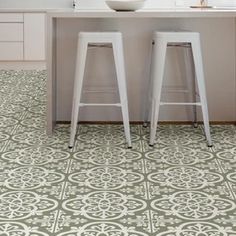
(94, 4)
(100, 3)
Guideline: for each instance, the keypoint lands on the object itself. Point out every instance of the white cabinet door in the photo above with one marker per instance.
(11, 51)
(34, 36)
(11, 32)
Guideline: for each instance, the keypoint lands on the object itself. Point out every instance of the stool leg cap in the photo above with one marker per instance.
(195, 125)
(70, 147)
(151, 145)
(145, 124)
(129, 147)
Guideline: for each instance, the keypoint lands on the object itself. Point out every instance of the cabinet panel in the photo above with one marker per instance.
(34, 36)
(11, 32)
(11, 17)
(11, 51)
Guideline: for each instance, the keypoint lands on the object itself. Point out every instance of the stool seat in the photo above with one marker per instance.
(161, 40)
(176, 36)
(100, 37)
(85, 40)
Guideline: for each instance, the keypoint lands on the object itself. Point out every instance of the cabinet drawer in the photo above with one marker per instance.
(11, 31)
(11, 51)
(11, 17)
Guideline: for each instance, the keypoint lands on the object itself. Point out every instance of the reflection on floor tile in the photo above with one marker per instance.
(178, 188)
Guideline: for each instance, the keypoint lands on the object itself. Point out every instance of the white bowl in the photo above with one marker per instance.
(125, 5)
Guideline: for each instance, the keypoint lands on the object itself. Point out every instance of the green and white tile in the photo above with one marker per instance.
(180, 187)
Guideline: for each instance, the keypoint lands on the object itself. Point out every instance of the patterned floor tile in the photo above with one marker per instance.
(179, 187)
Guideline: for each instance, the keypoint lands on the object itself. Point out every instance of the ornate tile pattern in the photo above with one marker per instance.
(178, 188)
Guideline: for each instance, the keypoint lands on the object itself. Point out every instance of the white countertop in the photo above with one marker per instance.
(153, 13)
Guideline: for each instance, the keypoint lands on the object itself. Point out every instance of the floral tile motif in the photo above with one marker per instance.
(179, 187)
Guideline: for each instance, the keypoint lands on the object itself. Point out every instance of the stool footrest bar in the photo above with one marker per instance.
(100, 90)
(181, 103)
(100, 104)
(175, 91)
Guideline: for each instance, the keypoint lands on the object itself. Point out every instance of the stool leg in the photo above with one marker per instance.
(191, 80)
(157, 73)
(120, 72)
(148, 95)
(78, 83)
(201, 86)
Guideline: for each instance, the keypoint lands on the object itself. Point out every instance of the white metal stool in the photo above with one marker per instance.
(85, 39)
(161, 40)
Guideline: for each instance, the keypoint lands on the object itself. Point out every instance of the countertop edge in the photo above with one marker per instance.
(106, 13)
(144, 13)
(28, 10)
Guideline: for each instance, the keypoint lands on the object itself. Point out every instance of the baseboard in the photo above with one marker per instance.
(23, 65)
(161, 122)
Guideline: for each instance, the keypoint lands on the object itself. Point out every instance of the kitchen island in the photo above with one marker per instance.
(217, 29)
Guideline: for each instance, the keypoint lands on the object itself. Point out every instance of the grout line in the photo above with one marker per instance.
(225, 179)
(11, 94)
(221, 168)
(62, 194)
(145, 175)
